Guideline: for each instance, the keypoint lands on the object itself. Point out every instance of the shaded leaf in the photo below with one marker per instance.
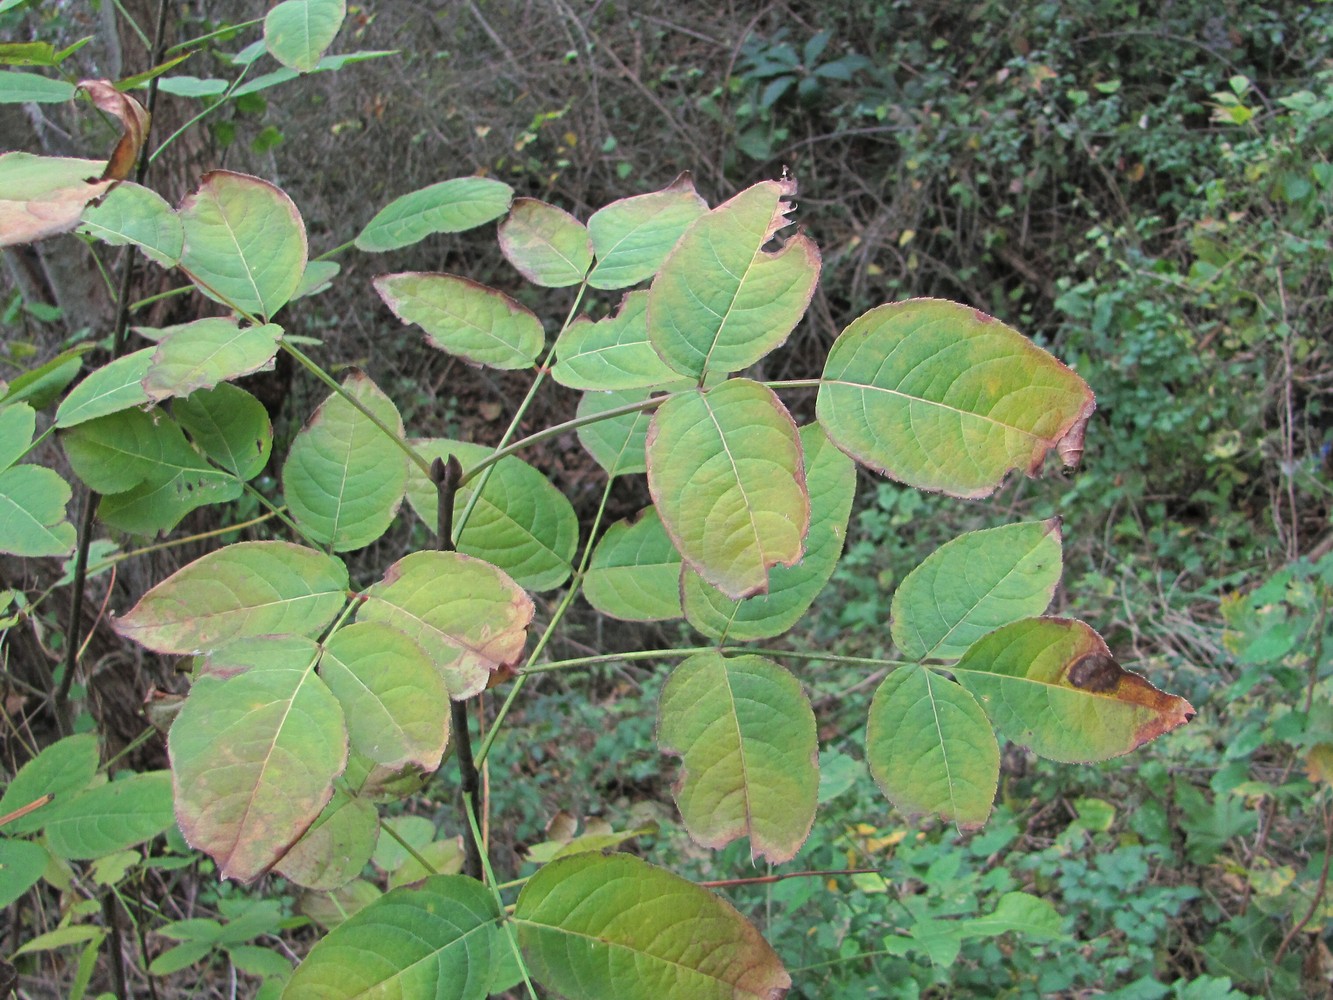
(336, 847)
(200, 354)
(40, 386)
(32, 513)
(111, 817)
(617, 928)
(634, 574)
(726, 474)
(62, 770)
(21, 866)
(721, 301)
(1052, 685)
(616, 443)
(746, 735)
(612, 353)
(931, 749)
(462, 317)
(134, 121)
(632, 237)
(17, 425)
(547, 245)
(229, 426)
(973, 585)
(943, 397)
(297, 32)
(115, 386)
(33, 88)
(133, 214)
(452, 206)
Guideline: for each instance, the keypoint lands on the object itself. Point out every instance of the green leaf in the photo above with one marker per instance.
(110, 817)
(317, 277)
(1021, 913)
(452, 206)
(133, 214)
(245, 243)
(113, 387)
(394, 699)
(612, 353)
(1052, 685)
(40, 386)
(17, 425)
(546, 244)
(254, 756)
(831, 481)
(205, 352)
(438, 940)
(180, 957)
(298, 31)
(634, 574)
(943, 397)
(41, 196)
(618, 443)
(32, 88)
(617, 928)
(229, 426)
(63, 769)
(632, 237)
(32, 513)
(191, 86)
(442, 857)
(931, 749)
(521, 523)
(336, 847)
(343, 478)
(21, 866)
(62, 937)
(746, 735)
(462, 317)
(469, 616)
(725, 471)
(975, 584)
(246, 589)
(721, 301)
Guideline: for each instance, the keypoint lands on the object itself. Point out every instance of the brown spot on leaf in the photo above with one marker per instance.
(1096, 672)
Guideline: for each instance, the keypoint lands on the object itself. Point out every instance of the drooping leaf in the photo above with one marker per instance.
(254, 755)
(616, 443)
(632, 237)
(931, 749)
(521, 523)
(634, 574)
(394, 699)
(41, 196)
(26, 88)
(746, 735)
(336, 847)
(297, 32)
(133, 118)
(111, 817)
(438, 940)
(229, 426)
(133, 214)
(469, 616)
(831, 481)
(943, 397)
(452, 206)
(726, 473)
(62, 770)
(617, 928)
(245, 243)
(32, 513)
(21, 865)
(1052, 685)
(612, 353)
(115, 386)
(721, 301)
(205, 352)
(546, 244)
(462, 317)
(973, 585)
(245, 589)
(343, 478)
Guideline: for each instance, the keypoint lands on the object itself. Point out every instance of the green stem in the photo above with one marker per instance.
(336, 250)
(136, 306)
(387, 827)
(201, 115)
(214, 34)
(671, 654)
(495, 894)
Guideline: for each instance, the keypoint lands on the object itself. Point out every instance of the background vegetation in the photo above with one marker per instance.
(1148, 193)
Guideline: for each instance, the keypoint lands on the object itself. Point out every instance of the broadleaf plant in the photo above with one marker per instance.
(319, 691)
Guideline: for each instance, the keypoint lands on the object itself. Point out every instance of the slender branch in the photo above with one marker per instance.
(1318, 899)
(671, 654)
(769, 879)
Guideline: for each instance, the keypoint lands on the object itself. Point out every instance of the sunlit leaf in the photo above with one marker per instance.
(546, 244)
(462, 317)
(617, 928)
(32, 513)
(298, 31)
(931, 749)
(254, 755)
(115, 386)
(229, 426)
(452, 206)
(41, 196)
(746, 735)
(336, 847)
(521, 523)
(469, 617)
(438, 940)
(726, 473)
(110, 817)
(612, 353)
(245, 243)
(831, 481)
(634, 574)
(943, 397)
(202, 353)
(721, 301)
(973, 585)
(1052, 685)
(632, 237)
(245, 589)
(61, 770)
(133, 214)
